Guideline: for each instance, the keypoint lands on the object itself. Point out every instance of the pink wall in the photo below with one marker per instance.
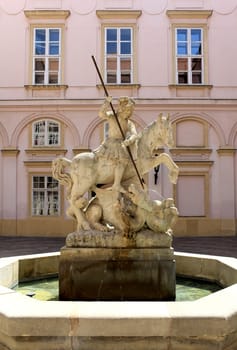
(204, 117)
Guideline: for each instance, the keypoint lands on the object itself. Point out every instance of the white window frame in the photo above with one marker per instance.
(46, 57)
(189, 56)
(41, 131)
(45, 199)
(119, 55)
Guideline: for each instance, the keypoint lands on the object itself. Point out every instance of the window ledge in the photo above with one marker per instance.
(191, 86)
(45, 151)
(80, 150)
(191, 90)
(46, 87)
(38, 163)
(119, 86)
(191, 154)
(191, 150)
(194, 163)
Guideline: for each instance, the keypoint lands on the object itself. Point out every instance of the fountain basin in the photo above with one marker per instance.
(209, 323)
(187, 289)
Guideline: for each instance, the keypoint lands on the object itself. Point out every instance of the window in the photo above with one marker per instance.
(189, 59)
(46, 133)
(119, 30)
(118, 55)
(46, 34)
(189, 56)
(45, 196)
(46, 56)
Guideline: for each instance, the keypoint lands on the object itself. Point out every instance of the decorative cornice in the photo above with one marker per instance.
(37, 164)
(190, 151)
(118, 14)
(47, 14)
(11, 152)
(45, 151)
(194, 163)
(190, 86)
(119, 86)
(189, 14)
(46, 87)
(226, 151)
(80, 150)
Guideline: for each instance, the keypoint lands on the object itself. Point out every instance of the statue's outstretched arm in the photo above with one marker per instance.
(105, 110)
(131, 135)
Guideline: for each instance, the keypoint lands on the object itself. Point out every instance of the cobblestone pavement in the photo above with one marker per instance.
(222, 246)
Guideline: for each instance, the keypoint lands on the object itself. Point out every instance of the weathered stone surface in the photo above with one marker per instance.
(121, 199)
(118, 269)
(142, 239)
(206, 324)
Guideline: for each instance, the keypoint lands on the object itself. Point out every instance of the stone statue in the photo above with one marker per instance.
(122, 203)
(113, 149)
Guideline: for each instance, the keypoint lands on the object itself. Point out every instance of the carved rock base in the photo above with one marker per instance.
(117, 273)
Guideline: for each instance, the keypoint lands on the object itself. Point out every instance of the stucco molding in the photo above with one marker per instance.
(4, 136)
(189, 14)
(191, 151)
(45, 151)
(233, 136)
(80, 150)
(190, 86)
(10, 152)
(38, 163)
(47, 14)
(118, 14)
(228, 151)
(202, 118)
(119, 86)
(46, 87)
(195, 163)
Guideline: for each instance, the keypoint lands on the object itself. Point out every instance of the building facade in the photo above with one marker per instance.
(171, 56)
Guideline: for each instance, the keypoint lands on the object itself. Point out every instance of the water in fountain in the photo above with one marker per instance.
(186, 289)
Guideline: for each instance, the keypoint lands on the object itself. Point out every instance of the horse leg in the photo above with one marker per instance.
(170, 164)
(77, 204)
(118, 175)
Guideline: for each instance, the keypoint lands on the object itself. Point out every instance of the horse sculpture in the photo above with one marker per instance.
(87, 170)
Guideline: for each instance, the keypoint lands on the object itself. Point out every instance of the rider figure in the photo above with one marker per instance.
(114, 147)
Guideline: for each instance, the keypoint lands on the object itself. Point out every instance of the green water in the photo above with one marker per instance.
(186, 289)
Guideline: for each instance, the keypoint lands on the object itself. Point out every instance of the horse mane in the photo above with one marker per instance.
(143, 145)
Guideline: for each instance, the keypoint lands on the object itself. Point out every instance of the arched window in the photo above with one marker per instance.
(45, 133)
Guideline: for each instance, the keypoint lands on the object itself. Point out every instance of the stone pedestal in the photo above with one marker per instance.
(139, 268)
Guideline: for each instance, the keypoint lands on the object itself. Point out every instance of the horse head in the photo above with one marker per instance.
(156, 135)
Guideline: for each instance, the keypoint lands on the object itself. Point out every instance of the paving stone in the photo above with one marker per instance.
(221, 246)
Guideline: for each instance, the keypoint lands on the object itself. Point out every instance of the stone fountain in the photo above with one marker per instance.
(122, 248)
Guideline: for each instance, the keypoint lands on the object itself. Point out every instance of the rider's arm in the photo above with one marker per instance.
(105, 110)
(131, 134)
